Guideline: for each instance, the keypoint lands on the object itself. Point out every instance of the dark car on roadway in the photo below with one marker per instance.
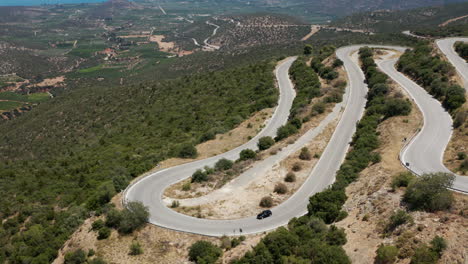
(264, 214)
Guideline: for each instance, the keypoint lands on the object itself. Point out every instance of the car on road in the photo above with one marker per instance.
(264, 214)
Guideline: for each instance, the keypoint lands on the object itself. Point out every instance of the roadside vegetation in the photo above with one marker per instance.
(97, 140)
(432, 73)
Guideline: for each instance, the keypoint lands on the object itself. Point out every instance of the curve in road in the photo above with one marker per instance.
(447, 47)
(149, 190)
(424, 153)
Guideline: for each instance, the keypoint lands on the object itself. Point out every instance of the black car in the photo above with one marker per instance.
(264, 214)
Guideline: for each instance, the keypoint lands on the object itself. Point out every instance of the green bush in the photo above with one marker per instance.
(265, 143)
(187, 151)
(398, 218)
(76, 257)
(96, 261)
(285, 131)
(402, 179)
(98, 224)
(103, 233)
(135, 249)
(429, 192)
(461, 155)
(438, 245)
(296, 167)
(424, 255)
(307, 85)
(133, 216)
(247, 154)
(326, 205)
(204, 252)
(386, 254)
(336, 236)
(199, 176)
(223, 164)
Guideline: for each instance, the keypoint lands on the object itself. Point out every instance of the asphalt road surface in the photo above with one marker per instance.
(425, 152)
(149, 190)
(447, 47)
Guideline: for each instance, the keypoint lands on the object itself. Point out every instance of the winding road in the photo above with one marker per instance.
(149, 190)
(424, 153)
(447, 47)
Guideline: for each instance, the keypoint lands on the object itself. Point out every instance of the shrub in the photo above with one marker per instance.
(336, 236)
(290, 177)
(429, 192)
(187, 151)
(326, 205)
(103, 233)
(318, 108)
(266, 201)
(96, 261)
(461, 155)
(265, 143)
(305, 154)
(402, 180)
(204, 252)
(281, 188)
(438, 245)
(386, 254)
(113, 218)
(424, 255)
(76, 257)
(199, 176)
(187, 186)
(133, 216)
(400, 217)
(223, 164)
(296, 167)
(247, 154)
(235, 242)
(175, 204)
(98, 224)
(337, 63)
(135, 249)
(285, 131)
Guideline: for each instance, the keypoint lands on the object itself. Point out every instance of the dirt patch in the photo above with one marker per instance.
(313, 29)
(452, 20)
(163, 46)
(51, 81)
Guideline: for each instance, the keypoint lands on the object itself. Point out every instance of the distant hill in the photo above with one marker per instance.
(398, 20)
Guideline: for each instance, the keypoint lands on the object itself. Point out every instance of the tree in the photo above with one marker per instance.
(326, 205)
(187, 151)
(308, 49)
(265, 143)
(199, 176)
(204, 252)
(402, 179)
(386, 254)
(247, 154)
(336, 236)
(223, 164)
(429, 192)
(133, 216)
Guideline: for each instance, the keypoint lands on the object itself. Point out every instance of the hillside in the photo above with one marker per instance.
(73, 153)
(397, 21)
